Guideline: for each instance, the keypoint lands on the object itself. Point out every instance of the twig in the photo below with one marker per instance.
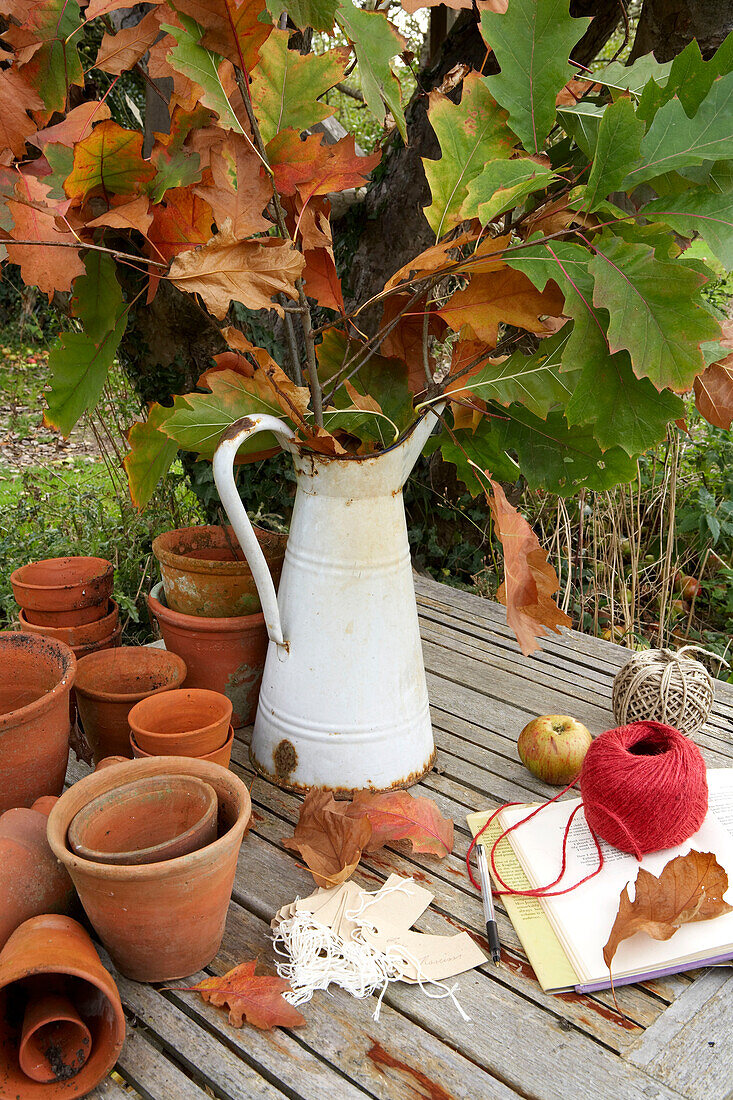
(124, 256)
(425, 347)
(310, 354)
(354, 93)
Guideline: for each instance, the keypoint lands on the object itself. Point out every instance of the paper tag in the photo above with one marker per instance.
(391, 910)
(439, 956)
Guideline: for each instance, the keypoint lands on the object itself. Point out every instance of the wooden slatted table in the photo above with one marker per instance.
(672, 1037)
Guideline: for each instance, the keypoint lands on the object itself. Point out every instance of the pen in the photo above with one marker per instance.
(488, 899)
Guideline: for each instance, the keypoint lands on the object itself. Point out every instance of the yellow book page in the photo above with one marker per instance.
(543, 948)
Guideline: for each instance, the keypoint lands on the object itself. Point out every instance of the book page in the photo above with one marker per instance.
(583, 918)
(720, 795)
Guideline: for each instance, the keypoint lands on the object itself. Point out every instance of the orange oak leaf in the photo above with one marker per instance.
(126, 215)
(714, 393)
(238, 191)
(529, 579)
(232, 30)
(313, 168)
(314, 224)
(109, 159)
(74, 127)
(250, 272)
(42, 265)
(321, 279)
(575, 90)
(398, 815)
(446, 254)
(295, 160)
(405, 340)
(329, 841)
(186, 93)
(505, 296)
(119, 52)
(256, 998)
(104, 7)
(690, 888)
(341, 170)
(179, 223)
(16, 99)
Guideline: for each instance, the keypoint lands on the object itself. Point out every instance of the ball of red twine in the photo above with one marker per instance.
(644, 787)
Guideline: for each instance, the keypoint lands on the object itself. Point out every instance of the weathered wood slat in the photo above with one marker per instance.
(112, 1090)
(150, 1072)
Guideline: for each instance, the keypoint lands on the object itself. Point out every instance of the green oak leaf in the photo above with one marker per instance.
(618, 145)
(655, 311)
(583, 123)
(61, 159)
(633, 78)
(79, 361)
(674, 141)
(470, 134)
(481, 446)
(150, 456)
(531, 380)
(286, 85)
(707, 213)
(175, 168)
(690, 79)
(375, 42)
(197, 420)
(501, 185)
(318, 14)
(55, 65)
(532, 43)
(202, 66)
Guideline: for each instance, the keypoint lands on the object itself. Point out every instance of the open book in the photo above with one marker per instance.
(564, 936)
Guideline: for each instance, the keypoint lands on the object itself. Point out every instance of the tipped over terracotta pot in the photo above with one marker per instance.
(163, 920)
(36, 676)
(59, 1011)
(186, 722)
(110, 682)
(32, 881)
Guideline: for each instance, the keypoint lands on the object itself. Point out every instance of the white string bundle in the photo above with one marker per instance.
(664, 686)
(318, 957)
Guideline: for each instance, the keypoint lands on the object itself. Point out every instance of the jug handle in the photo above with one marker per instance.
(223, 466)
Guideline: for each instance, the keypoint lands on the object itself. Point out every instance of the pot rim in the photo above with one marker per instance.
(88, 648)
(226, 707)
(159, 608)
(125, 696)
(116, 775)
(209, 566)
(144, 755)
(34, 628)
(16, 579)
(38, 706)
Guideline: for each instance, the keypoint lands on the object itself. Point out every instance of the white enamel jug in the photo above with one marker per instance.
(344, 702)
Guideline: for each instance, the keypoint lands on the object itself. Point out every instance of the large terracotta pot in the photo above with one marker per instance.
(36, 675)
(147, 821)
(205, 572)
(163, 920)
(63, 584)
(32, 881)
(85, 634)
(226, 655)
(53, 955)
(187, 722)
(218, 756)
(109, 683)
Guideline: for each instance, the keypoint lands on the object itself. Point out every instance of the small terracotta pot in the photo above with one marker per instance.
(148, 821)
(187, 722)
(36, 675)
(226, 655)
(63, 584)
(162, 920)
(84, 635)
(54, 955)
(109, 683)
(45, 804)
(53, 1035)
(110, 642)
(218, 756)
(66, 619)
(206, 574)
(32, 881)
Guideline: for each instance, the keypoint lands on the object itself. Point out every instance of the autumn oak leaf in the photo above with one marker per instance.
(108, 159)
(329, 841)
(398, 815)
(254, 998)
(690, 888)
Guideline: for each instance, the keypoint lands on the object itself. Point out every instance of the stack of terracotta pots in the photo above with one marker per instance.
(209, 612)
(192, 722)
(69, 599)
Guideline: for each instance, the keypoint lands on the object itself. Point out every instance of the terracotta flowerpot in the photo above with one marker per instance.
(162, 920)
(148, 821)
(36, 675)
(218, 756)
(187, 722)
(109, 760)
(45, 804)
(53, 1035)
(226, 655)
(32, 881)
(83, 635)
(108, 684)
(63, 584)
(110, 642)
(77, 617)
(205, 573)
(54, 955)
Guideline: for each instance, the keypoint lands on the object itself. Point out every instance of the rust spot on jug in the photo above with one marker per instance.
(426, 1087)
(285, 758)
(246, 423)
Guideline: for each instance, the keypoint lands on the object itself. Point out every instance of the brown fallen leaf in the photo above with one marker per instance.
(398, 815)
(330, 842)
(690, 888)
(714, 393)
(256, 998)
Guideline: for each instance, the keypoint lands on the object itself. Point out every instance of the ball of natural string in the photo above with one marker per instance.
(663, 686)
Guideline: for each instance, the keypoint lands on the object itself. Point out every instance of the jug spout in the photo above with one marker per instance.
(413, 444)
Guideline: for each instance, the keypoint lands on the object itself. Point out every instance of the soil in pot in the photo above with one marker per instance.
(53, 957)
(205, 572)
(63, 584)
(109, 682)
(159, 921)
(148, 821)
(32, 881)
(186, 722)
(36, 676)
(218, 756)
(226, 655)
(85, 634)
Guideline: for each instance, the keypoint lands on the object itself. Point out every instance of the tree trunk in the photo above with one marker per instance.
(667, 26)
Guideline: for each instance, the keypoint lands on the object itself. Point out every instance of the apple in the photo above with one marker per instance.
(553, 747)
